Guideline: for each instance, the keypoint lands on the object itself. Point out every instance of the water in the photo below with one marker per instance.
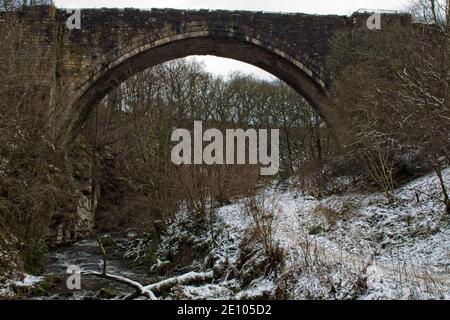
(86, 255)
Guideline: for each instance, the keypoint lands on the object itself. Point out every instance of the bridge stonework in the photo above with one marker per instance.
(114, 44)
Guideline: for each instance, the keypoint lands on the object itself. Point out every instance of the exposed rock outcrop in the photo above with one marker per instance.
(79, 221)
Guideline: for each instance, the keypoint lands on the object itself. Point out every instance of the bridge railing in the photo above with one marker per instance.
(382, 11)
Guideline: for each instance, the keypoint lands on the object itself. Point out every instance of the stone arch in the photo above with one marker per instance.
(123, 62)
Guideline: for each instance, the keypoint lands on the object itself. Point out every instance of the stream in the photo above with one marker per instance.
(85, 254)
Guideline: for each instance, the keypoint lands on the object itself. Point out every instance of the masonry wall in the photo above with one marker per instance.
(104, 30)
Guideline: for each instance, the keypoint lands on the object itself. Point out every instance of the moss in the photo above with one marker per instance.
(107, 293)
(39, 292)
(48, 284)
(108, 242)
(43, 288)
(314, 230)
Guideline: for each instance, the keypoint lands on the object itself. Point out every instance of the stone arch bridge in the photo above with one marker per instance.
(114, 44)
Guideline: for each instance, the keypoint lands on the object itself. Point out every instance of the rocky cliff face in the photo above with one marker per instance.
(80, 224)
(79, 220)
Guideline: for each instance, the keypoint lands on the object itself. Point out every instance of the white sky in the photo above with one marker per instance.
(224, 66)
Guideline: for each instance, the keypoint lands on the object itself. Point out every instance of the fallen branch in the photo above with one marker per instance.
(103, 252)
(184, 279)
(140, 289)
(159, 287)
(147, 291)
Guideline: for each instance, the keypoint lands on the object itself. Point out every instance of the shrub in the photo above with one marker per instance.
(33, 255)
(330, 215)
(261, 234)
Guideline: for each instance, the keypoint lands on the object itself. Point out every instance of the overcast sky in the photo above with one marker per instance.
(224, 66)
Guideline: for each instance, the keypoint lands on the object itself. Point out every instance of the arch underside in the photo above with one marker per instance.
(271, 61)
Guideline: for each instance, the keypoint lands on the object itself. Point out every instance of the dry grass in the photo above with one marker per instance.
(263, 212)
(330, 215)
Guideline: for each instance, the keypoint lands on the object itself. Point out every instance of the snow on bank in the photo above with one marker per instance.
(17, 283)
(28, 281)
(352, 246)
(401, 249)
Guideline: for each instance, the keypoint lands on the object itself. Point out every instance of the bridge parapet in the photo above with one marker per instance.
(114, 44)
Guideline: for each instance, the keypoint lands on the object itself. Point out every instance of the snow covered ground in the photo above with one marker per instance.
(13, 284)
(353, 246)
